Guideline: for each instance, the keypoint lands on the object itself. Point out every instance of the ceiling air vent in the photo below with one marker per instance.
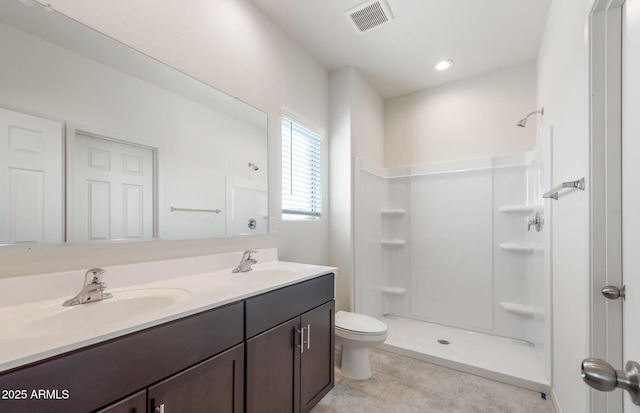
(369, 15)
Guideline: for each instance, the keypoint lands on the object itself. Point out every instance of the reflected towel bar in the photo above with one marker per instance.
(172, 209)
(553, 194)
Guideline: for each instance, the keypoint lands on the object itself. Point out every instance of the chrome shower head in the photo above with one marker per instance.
(523, 122)
(253, 166)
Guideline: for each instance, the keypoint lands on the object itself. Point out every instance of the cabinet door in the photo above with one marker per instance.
(273, 370)
(136, 403)
(317, 358)
(215, 385)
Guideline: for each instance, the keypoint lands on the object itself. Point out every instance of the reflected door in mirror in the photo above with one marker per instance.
(31, 183)
(112, 190)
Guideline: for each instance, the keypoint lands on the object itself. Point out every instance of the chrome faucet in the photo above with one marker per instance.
(92, 290)
(246, 262)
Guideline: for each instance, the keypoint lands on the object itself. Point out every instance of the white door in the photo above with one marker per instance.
(112, 190)
(31, 183)
(622, 153)
(630, 180)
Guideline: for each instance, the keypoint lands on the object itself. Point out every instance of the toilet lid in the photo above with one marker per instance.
(359, 323)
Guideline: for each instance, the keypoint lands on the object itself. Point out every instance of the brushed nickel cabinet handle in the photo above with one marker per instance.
(301, 345)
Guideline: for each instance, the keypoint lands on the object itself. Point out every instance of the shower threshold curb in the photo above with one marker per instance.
(541, 385)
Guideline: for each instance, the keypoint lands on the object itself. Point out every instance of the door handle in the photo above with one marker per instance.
(602, 376)
(613, 293)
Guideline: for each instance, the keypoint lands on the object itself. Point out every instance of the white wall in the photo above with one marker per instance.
(340, 202)
(356, 130)
(367, 118)
(467, 119)
(563, 91)
(232, 46)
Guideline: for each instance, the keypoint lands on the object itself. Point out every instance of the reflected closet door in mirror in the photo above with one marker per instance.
(112, 189)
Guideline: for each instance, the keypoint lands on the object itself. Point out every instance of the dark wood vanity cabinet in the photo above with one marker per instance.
(136, 403)
(246, 356)
(93, 377)
(289, 365)
(317, 360)
(215, 385)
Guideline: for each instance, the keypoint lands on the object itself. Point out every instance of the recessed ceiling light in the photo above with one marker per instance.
(443, 65)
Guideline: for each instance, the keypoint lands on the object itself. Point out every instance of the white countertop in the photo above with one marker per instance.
(34, 325)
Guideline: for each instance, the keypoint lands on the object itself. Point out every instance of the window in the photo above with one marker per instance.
(301, 183)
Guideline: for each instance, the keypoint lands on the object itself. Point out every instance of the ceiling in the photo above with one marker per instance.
(397, 58)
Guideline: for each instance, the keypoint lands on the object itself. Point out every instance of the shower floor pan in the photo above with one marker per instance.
(510, 361)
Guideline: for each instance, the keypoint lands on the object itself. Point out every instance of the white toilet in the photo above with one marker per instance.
(355, 334)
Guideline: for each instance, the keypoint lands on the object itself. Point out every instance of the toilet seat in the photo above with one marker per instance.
(359, 324)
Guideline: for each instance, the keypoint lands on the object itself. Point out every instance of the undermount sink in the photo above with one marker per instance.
(53, 319)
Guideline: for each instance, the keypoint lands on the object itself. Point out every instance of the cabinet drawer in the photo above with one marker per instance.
(136, 403)
(270, 309)
(96, 375)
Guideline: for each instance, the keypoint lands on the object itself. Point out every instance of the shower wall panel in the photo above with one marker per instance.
(512, 269)
(398, 227)
(451, 248)
(450, 243)
(370, 261)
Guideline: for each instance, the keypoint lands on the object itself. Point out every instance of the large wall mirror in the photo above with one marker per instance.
(100, 142)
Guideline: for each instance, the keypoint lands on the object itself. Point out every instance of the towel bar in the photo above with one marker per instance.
(172, 209)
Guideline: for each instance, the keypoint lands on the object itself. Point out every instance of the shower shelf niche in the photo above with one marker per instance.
(393, 212)
(520, 309)
(521, 209)
(393, 243)
(524, 248)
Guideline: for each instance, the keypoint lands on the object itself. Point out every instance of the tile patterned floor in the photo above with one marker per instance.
(404, 385)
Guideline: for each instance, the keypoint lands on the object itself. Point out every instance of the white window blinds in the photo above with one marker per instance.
(301, 183)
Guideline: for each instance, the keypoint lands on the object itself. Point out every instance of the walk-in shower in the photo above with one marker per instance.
(447, 256)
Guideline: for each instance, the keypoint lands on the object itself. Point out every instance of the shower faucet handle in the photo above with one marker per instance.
(536, 221)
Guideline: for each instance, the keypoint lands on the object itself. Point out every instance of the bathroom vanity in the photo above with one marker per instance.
(268, 350)
(274, 366)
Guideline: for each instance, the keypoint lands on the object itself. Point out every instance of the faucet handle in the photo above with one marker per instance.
(247, 254)
(536, 221)
(94, 275)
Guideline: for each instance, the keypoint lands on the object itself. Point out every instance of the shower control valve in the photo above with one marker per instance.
(536, 221)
